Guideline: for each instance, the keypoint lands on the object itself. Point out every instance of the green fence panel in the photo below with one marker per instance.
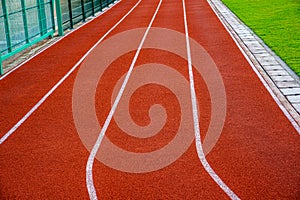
(24, 23)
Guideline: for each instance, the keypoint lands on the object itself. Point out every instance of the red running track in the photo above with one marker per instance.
(256, 155)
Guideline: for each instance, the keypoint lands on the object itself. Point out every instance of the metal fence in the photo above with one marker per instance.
(74, 11)
(26, 22)
(23, 23)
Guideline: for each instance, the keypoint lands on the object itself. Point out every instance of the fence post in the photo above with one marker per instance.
(25, 21)
(83, 10)
(93, 8)
(59, 18)
(6, 26)
(1, 68)
(70, 13)
(42, 17)
(52, 3)
(101, 6)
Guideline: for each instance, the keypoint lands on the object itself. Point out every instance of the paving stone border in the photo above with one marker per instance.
(26, 54)
(273, 72)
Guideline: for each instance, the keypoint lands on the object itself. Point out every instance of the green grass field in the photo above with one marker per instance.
(276, 22)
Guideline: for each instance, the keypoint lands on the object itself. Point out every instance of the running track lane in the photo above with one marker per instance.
(27, 85)
(256, 155)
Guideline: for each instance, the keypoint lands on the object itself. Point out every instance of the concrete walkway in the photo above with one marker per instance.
(272, 71)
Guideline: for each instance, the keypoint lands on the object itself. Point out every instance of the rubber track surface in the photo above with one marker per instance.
(257, 155)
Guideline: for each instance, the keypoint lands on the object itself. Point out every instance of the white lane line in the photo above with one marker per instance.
(84, 24)
(90, 162)
(258, 73)
(33, 109)
(199, 147)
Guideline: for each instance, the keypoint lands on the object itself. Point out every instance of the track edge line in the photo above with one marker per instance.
(199, 147)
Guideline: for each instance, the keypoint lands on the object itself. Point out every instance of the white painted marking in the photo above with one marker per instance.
(84, 24)
(264, 82)
(199, 147)
(90, 162)
(32, 110)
